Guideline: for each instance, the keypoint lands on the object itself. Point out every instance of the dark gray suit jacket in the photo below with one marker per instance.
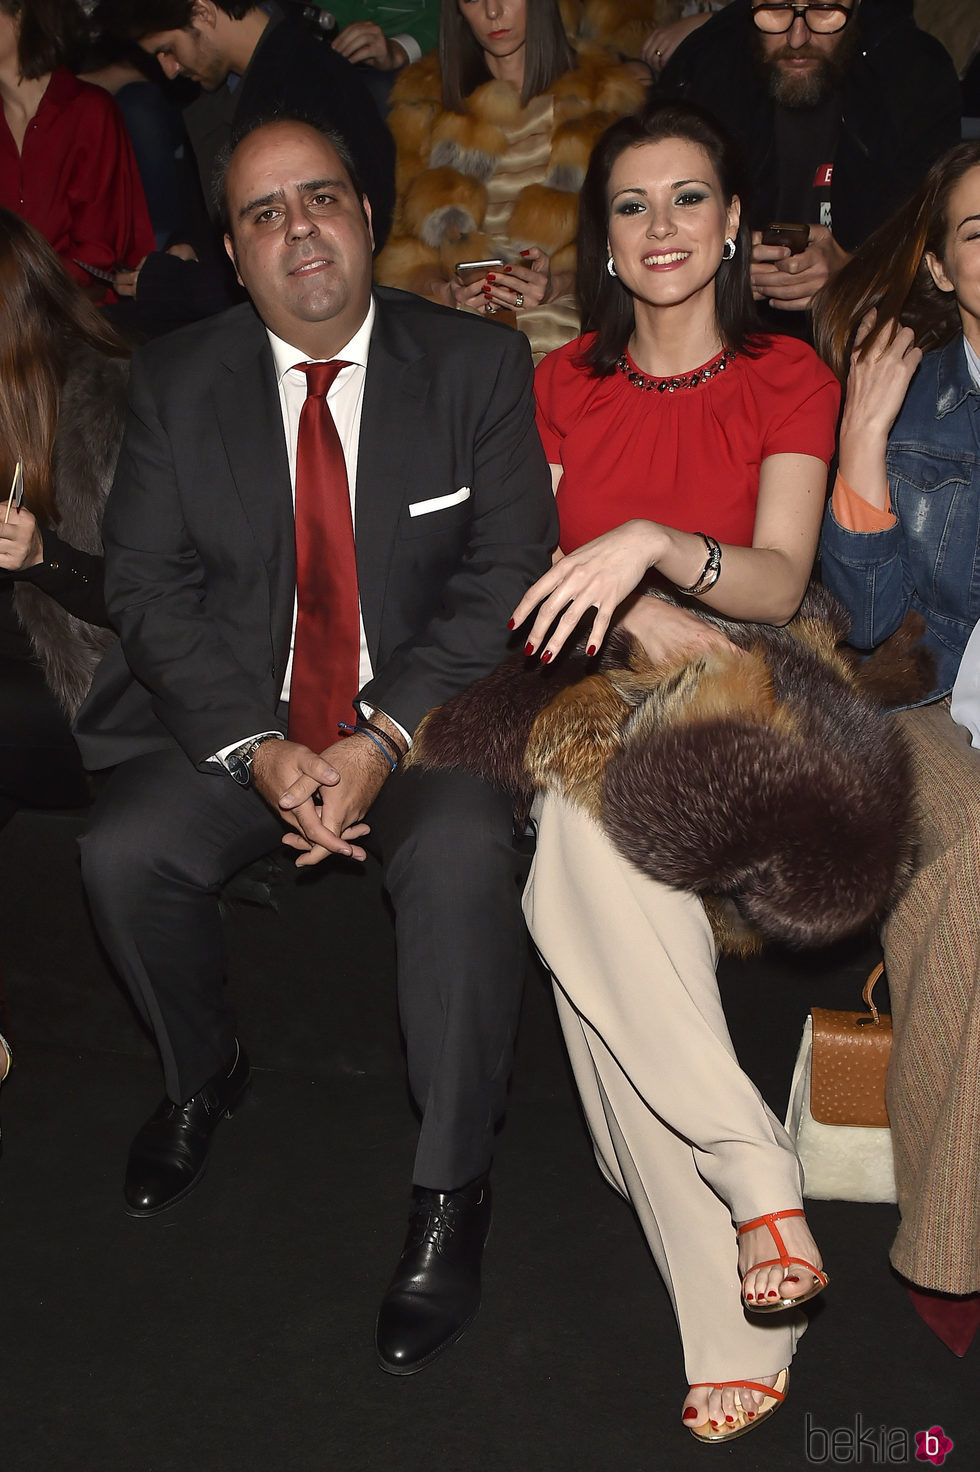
(200, 557)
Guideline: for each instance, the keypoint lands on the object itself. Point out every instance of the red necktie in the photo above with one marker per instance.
(327, 646)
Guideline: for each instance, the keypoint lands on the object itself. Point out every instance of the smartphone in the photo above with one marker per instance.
(470, 271)
(795, 237)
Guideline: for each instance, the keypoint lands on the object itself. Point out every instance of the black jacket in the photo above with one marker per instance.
(900, 109)
(454, 519)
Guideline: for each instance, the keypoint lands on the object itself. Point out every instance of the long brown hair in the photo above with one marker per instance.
(889, 272)
(463, 67)
(50, 34)
(43, 315)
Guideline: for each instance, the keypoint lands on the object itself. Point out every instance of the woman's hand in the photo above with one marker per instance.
(667, 632)
(20, 541)
(599, 575)
(527, 283)
(879, 375)
(466, 296)
(661, 44)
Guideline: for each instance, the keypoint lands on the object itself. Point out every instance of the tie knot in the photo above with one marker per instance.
(320, 376)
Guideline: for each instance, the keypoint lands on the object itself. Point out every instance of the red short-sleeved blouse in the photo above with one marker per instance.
(689, 459)
(76, 180)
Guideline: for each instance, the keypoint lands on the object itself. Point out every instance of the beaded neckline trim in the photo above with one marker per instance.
(668, 385)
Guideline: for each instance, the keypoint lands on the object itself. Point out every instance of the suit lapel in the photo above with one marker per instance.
(395, 385)
(249, 416)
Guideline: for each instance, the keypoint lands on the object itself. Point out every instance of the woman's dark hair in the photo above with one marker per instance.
(606, 304)
(51, 34)
(463, 66)
(889, 272)
(43, 315)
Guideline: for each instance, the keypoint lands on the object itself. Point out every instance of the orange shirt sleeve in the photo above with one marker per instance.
(856, 514)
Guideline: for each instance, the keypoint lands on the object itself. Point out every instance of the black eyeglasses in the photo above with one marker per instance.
(821, 19)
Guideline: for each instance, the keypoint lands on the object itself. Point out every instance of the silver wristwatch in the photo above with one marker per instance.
(239, 762)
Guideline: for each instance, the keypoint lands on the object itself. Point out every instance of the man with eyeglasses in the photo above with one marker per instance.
(838, 110)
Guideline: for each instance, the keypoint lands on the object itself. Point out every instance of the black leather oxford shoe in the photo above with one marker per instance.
(169, 1154)
(435, 1292)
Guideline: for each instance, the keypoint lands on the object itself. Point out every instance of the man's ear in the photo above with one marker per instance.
(366, 207)
(938, 272)
(204, 13)
(230, 248)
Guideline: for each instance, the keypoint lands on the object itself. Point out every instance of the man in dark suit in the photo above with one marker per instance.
(452, 519)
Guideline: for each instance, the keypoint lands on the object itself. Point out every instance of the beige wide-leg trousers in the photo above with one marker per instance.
(677, 1126)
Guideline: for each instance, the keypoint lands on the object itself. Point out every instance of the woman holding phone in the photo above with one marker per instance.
(493, 135)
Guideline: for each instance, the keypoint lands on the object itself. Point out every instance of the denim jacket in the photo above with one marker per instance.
(930, 559)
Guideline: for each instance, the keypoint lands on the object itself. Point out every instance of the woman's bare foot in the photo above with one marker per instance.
(722, 1407)
(764, 1286)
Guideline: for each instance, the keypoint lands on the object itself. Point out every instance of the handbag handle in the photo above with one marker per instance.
(869, 987)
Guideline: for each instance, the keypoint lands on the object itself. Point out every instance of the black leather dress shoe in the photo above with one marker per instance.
(169, 1154)
(435, 1292)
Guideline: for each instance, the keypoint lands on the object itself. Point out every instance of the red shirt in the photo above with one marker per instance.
(688, 459)
(76, 179)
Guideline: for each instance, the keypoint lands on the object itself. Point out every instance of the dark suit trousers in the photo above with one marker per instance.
(165, 837)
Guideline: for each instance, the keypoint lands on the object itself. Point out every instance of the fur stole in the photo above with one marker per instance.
(769, 782)
(90, 423)
(444, 160)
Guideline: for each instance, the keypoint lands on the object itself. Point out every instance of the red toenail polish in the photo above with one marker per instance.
(690, 1414)
(528, 648)
(731, 1419)
(749, 1297)
(751, 1415)
(772, 1293)
(715, 1425)
(511, 624)
(546, 656)
(791, 1280)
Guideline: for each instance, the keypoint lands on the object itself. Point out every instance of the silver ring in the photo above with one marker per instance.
(519, 299)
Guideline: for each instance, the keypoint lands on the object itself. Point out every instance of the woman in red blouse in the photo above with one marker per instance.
(688, 448)
(66, 163)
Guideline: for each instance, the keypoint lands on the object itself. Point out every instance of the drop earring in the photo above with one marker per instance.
(728, 253)
(611, 265)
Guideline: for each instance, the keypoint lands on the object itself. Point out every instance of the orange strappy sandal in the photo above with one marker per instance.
(774, 1397)
(820, 1279)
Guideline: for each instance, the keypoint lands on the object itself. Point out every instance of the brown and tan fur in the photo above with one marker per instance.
(767, 778)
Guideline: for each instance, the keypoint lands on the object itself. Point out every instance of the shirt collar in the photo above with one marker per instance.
(286, 356)
(972, 363)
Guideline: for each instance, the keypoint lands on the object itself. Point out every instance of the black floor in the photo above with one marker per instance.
(235, 1332)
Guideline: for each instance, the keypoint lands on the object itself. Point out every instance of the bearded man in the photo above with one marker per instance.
(837, 109)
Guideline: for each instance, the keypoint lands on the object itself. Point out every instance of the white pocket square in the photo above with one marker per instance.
(439, 503)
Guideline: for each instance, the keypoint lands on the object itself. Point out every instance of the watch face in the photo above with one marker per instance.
(240, 770)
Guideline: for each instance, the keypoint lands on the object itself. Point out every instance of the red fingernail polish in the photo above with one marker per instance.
(690, 1414)
(511, 624)
(528, 648)
(525, 252)
(508, 268)
(491, 276)
(546, 656)
(591, 649)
